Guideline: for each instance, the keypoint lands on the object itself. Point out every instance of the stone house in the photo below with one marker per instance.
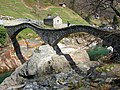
(62, 5)
(54, 21)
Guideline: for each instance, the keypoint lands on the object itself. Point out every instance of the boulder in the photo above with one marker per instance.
(47, 70)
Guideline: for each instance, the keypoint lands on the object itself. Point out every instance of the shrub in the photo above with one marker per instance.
(2, 35)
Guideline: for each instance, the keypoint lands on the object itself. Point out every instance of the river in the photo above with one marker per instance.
(4, 75)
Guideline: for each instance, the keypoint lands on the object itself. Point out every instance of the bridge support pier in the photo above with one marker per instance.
(17, 50)
(116, 54)
(57, 49)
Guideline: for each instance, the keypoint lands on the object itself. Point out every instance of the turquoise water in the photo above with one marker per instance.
(97, 52)
(4, 75)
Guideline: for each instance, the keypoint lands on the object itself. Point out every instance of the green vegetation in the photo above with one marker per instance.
(5, 75)
(16, 9)
(105, 68)
(97, 53)
(19, 9)
(96, 22)
(42, 3)
(2, 35)
(26, 34)
(65, 13)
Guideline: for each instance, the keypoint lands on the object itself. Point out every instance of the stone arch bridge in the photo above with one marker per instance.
(53, 36)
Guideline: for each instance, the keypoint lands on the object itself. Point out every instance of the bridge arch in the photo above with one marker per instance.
(13, 35)
(13, 31)
(61, 33)
(80, 39)
(28, 40)
(53, 36)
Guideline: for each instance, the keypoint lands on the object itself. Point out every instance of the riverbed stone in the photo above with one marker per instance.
(45, 65)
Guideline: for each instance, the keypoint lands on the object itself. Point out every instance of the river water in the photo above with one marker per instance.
(4, 75)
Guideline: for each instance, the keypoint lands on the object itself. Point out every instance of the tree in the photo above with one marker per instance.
(115, 22)
(99, 6)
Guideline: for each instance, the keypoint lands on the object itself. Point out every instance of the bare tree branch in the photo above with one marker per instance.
(115, 10)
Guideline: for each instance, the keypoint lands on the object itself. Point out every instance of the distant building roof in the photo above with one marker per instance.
(51, 17)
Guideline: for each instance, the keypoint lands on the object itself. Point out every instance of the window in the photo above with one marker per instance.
(57, 21)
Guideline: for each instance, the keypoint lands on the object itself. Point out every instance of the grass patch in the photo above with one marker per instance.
(26, 34)
(96, 22)
(17, 9)
(65, 13)
(42, 3)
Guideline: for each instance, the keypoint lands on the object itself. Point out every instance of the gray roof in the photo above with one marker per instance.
(50, 17)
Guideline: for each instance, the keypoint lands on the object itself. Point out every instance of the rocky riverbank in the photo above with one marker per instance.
(45, 64)
(71, 70)
(8, 58)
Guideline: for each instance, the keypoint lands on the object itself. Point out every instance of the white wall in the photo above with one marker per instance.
(1, 22)
(57, 21)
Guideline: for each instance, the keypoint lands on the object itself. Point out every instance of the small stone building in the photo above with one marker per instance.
(53, 21)
(62, 5)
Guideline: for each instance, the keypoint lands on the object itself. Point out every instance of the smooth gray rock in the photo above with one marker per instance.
(45, 69)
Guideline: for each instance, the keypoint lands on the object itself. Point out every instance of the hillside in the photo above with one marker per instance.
(15, 8)
(29, 9)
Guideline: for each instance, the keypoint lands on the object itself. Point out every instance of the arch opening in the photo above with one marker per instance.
(82, 39)
(90, 43)
(28, 41)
